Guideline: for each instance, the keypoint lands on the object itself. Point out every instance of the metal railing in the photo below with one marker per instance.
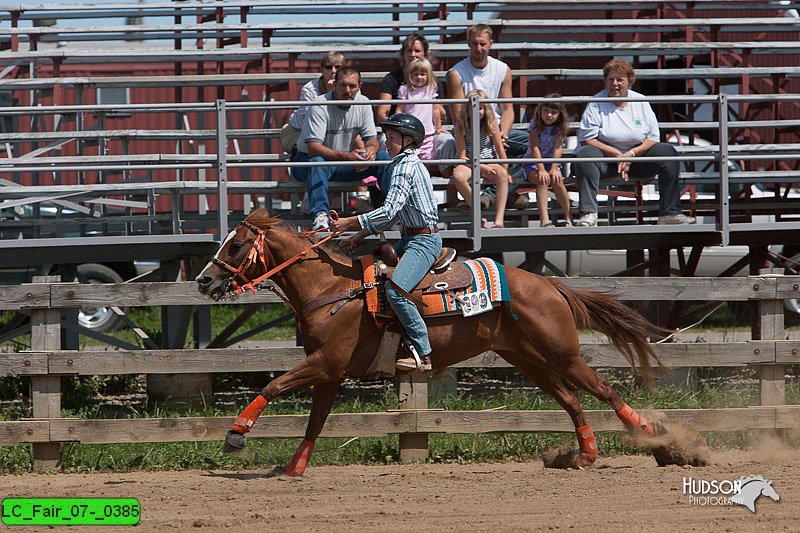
(220, 163)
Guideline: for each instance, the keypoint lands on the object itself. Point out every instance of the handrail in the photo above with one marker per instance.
(713, 153)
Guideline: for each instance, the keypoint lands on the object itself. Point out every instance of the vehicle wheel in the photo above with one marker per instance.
(100, 319)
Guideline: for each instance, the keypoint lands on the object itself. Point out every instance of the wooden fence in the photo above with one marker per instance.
(45, 363)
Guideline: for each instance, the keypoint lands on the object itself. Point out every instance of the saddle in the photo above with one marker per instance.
(444, 274)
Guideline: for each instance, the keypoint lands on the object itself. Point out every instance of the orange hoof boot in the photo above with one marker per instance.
(585, 460)
(587, 445)
(634, 421)
(297, 466)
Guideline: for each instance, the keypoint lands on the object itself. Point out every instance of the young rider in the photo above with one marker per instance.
(411, 202)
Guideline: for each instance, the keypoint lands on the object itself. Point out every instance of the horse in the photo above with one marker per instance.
(540, 338)
(752, 488)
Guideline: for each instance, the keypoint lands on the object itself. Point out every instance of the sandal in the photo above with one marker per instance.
(548, 225)
(568, 224)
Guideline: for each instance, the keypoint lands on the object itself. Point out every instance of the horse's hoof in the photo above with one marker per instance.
(278, 471)
(659, 429)
(234, 442)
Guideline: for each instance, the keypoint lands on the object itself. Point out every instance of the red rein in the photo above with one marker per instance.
(256, 254)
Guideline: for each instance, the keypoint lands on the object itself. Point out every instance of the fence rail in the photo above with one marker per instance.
(46, 364)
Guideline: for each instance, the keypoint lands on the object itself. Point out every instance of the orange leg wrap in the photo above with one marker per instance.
(244, 422)
(632, 420)
(302, 456)
(587, 445)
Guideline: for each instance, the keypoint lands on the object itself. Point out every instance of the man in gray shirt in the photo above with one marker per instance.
(327, 135)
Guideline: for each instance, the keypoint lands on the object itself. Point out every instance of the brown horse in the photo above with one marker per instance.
(542, 341)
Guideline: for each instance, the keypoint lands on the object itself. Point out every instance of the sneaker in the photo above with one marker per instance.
(679, 218)
(519, 201)
(320, 221)
(587, 220)
(361, 202)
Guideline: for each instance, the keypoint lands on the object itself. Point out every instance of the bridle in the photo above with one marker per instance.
(256, 255)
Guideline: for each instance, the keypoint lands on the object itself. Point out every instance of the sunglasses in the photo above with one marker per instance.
(329, 67)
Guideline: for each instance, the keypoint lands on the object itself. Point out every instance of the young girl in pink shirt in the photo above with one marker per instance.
(421, 85)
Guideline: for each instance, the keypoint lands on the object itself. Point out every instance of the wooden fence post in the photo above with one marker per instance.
(772, 379)
(46, 390)
(413, 394)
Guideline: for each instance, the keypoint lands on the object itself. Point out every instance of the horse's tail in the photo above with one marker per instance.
(626, 328)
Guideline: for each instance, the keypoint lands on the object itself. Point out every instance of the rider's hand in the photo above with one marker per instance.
(340, 225)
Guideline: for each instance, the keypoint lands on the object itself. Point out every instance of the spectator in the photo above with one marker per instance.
(546, 133)
(490, 147)
(331, 62)
(624, 129)
(421, 85)
(481, 71)
(327, 135)
(415, 46)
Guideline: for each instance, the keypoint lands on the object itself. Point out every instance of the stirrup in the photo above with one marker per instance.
(414, 362)
(410, 364)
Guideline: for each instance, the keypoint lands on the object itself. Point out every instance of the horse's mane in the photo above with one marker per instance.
(262, 219)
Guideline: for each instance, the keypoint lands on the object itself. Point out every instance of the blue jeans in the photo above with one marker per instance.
(418, 255)
(589, 174)
(317, 178)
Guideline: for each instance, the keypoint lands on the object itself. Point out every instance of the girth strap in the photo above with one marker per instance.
(346, 294)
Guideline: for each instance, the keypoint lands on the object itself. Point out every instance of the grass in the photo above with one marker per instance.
(265, 453)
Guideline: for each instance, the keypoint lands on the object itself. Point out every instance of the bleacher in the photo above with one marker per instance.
(156, 159)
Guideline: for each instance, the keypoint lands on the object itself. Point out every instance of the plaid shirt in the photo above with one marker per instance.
(410, 198)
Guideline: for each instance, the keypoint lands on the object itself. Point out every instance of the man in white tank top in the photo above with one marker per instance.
(481, 71)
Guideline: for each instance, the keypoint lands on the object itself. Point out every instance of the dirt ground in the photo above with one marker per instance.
(626, 493)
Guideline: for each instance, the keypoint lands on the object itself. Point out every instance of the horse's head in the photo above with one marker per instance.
(240, 259)
(768, 490)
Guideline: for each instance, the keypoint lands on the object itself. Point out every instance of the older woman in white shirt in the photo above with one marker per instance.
(624, 129)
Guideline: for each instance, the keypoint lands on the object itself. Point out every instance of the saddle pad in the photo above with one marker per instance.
(487, 274)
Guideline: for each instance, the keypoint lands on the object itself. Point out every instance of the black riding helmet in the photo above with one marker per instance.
(408, 125)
